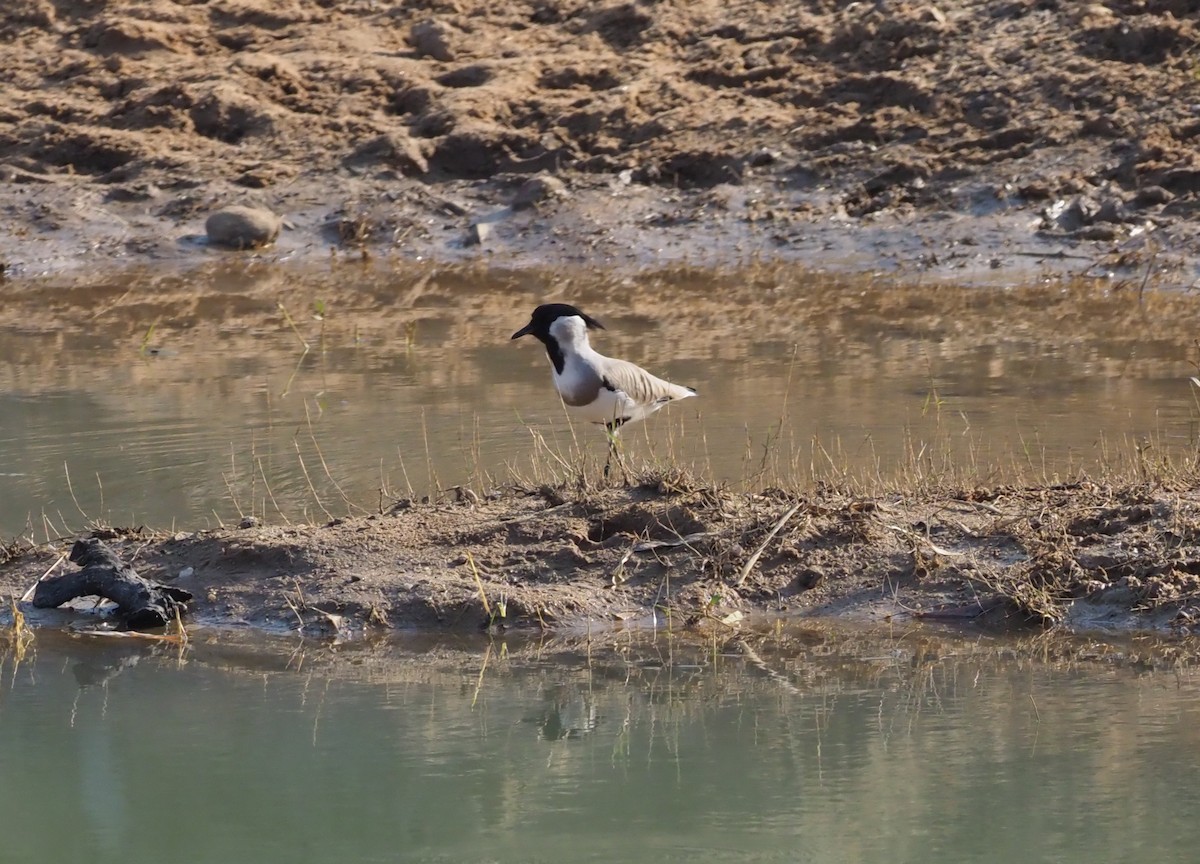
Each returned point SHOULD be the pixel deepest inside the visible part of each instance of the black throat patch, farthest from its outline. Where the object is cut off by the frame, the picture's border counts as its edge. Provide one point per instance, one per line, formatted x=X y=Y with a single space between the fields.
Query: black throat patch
x=556 y=354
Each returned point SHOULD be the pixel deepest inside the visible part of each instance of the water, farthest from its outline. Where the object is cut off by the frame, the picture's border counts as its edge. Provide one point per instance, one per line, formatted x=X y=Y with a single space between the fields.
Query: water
x=828 y=746
x=189 y=400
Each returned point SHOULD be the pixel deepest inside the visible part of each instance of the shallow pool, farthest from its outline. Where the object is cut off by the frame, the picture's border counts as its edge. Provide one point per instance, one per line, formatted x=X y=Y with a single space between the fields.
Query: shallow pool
x=201 y=398
x=807 y=745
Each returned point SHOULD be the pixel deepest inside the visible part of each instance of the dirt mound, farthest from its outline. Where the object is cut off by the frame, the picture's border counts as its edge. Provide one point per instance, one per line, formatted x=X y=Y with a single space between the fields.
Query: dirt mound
x=1078 y=555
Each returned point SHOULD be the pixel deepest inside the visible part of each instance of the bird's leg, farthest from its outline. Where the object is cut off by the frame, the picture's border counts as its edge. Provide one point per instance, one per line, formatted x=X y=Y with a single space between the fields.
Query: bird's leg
x=611 y=431
x=614 y=449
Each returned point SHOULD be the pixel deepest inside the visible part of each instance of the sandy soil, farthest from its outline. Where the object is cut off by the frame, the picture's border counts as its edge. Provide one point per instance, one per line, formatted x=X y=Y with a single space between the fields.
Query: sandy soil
x=666 y=552
x=1000 y=134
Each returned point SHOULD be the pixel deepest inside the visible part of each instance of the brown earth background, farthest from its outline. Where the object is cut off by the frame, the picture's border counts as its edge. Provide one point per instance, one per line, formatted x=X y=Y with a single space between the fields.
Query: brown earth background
x=970 y=135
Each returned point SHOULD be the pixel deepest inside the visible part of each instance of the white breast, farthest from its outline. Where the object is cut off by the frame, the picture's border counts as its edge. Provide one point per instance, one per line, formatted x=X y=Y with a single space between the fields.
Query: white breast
x=581 y=382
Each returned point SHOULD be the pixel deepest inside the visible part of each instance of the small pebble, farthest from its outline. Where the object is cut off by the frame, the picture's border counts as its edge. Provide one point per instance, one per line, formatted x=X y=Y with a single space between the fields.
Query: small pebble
x=242 y=227
x=478 y=233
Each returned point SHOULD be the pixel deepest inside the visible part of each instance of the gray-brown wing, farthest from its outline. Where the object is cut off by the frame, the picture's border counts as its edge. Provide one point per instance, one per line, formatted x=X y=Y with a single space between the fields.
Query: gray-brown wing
x=639 y=385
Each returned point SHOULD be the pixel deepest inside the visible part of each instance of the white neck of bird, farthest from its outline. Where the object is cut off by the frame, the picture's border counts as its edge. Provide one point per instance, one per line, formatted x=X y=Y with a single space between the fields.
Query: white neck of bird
x=571 y=334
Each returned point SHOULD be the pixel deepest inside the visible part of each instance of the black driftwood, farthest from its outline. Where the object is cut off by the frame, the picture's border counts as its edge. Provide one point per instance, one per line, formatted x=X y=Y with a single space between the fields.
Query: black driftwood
x=143 y=604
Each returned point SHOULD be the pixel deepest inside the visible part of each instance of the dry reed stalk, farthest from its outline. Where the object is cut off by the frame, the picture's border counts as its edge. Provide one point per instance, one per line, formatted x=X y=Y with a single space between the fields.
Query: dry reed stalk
x=753 y=559
x=28 y=595
x=308 y=480
x=479 y=584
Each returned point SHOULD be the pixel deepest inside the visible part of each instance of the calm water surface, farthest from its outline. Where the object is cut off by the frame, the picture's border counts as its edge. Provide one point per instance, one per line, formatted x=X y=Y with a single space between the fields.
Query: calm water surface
x=825 y=747
x=192 y=400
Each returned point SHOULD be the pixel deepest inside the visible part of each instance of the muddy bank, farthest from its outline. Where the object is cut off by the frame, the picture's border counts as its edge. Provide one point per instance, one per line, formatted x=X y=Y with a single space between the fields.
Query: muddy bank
x=958 y=138
x=669 y=553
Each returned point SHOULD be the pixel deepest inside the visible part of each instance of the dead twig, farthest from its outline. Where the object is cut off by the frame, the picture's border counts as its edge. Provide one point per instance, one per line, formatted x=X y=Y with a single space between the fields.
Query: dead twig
x=936 y=549
x=28 y=595
x=649 y=545
x=753 y=559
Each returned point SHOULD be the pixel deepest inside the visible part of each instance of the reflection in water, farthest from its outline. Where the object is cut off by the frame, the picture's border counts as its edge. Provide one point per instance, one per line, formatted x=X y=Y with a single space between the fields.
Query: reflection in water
x=566 y=715
x=853 y=748
x=196 y=399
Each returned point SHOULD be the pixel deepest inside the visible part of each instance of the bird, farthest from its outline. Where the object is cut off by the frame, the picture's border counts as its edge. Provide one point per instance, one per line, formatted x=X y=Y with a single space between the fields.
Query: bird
x=595 y=388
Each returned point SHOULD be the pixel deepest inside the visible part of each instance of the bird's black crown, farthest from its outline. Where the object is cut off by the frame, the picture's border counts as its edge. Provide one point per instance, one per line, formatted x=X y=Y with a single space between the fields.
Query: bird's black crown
x=546 y=314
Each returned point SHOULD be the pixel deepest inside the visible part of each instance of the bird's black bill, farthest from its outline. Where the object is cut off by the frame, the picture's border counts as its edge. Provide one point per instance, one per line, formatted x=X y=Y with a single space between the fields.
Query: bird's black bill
x=524 y=331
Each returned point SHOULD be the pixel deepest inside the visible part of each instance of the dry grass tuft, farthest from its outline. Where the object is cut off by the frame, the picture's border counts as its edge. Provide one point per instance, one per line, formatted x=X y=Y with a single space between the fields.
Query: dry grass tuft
x=20 y=635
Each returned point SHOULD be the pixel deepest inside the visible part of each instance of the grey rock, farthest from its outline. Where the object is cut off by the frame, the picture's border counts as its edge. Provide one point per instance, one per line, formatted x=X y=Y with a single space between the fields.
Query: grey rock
x=1112 y=210
x=1072 y=215
x=478 y=233
x=241 y=227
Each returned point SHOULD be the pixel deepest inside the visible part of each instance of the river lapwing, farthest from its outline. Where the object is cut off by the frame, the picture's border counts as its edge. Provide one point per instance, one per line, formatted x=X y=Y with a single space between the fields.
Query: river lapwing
x=596 y=388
